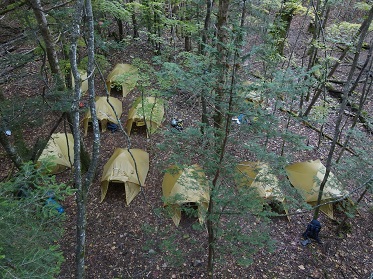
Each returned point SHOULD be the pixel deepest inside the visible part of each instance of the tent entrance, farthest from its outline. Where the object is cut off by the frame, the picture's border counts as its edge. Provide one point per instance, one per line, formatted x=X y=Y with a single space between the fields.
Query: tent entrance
x=189 y=210
x=117 y=188
x=275 y=206
x=100 y=124
x=139 y=128
x=116 y=91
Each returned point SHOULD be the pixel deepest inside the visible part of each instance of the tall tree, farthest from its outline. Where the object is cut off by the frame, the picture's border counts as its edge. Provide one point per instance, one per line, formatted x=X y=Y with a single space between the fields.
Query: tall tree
x=83 y=183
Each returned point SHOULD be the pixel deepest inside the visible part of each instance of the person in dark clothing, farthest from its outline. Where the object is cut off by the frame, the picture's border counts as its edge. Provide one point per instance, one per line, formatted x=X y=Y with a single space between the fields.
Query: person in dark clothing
x=312 y=231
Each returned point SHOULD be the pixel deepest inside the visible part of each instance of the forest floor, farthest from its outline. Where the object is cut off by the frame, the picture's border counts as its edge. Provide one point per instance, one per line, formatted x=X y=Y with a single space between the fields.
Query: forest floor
x=126 y=241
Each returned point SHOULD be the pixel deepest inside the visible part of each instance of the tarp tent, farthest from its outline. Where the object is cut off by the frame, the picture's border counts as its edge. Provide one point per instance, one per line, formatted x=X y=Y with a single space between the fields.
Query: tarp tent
x=60 y=149
x=182 y=186
x=147 y=111
x=260 y=176
x=124 y=77
x=83 y=79
x=121 y=169
x=105 y=112
x=307 y=177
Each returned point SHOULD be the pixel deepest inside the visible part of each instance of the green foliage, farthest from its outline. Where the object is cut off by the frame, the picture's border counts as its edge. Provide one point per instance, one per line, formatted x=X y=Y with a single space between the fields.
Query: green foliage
x=363 y=5
x=29 y=230
x=114 y=8
x=342 y=32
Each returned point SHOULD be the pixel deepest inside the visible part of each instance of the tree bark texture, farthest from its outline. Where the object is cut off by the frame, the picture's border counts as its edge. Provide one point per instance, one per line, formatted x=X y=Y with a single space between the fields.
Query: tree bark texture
x=80 y=201
x=50 y=47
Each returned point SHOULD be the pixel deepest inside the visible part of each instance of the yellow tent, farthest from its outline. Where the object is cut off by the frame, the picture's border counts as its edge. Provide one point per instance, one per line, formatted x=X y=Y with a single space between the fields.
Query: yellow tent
x=252 y=96
x=60 y=148
x=124 y=76
x=151 y=114
x=83 y=79
x=307 y=177
x=181 y=186
x=121 y=168
x=104 y=112
x=259 y=176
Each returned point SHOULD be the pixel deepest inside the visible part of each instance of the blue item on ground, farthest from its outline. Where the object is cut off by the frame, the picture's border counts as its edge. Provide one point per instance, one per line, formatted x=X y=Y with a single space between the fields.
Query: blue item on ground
x=52 y=202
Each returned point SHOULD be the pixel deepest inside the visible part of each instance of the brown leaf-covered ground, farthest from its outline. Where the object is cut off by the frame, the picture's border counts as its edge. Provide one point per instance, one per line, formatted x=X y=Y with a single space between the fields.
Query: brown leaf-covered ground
x=126 y=241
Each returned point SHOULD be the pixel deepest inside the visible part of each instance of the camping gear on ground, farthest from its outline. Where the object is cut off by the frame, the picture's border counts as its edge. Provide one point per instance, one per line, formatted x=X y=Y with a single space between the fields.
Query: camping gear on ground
x=185 y=186
x=8 y=133
x=127 y=167
x=51 y=202
x=239 y=119
x=260 y=176
x=60 y=150
x=307 y=177
x=112 y=127
x=147 y=112
x=123 y=77
x=177 y=123
x=83 y=79
x=312 y=231
x=105 y=112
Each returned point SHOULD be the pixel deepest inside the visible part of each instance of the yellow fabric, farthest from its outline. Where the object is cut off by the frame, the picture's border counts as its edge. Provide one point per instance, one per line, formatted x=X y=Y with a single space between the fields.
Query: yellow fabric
x=83 y=79
x=185 y=186
x=259 y=176
x=126 y=73
x=251 y=96
x=121 y=168
x=59 y=149
x=307 y=177
x=105 y=112
x=153 y=113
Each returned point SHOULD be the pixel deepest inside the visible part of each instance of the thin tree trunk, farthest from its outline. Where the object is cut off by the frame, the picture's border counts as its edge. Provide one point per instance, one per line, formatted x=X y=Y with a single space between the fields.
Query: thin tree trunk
x=365 y=92
x=225 y=131
x=50 y=46
x=362 y=27
x=209 y=5
x=222 y=38
x=346 y=91
x=80 y=201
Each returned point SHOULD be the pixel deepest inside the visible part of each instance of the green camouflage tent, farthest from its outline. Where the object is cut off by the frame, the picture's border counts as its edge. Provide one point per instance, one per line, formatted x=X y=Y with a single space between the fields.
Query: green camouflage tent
x=260 y=176
x=124 y=77
x=182 y=186
x=147 y=111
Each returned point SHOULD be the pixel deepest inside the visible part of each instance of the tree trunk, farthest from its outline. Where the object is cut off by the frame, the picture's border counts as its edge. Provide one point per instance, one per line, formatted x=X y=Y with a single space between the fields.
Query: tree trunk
x=50 y=46
x=80 y=225
x=222 y=38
